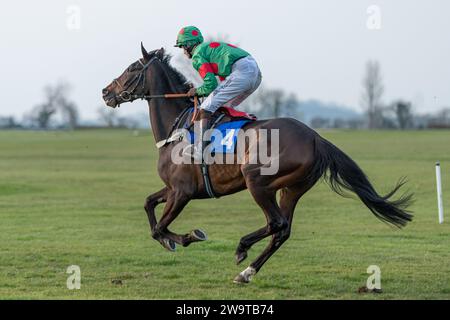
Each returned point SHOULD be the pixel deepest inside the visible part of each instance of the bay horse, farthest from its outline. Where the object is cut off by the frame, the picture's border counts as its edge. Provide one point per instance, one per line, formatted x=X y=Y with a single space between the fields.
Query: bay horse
x=304 y=157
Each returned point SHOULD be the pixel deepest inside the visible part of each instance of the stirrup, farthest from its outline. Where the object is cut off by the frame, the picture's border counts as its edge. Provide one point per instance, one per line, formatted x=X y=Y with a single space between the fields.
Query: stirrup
x=192 y=151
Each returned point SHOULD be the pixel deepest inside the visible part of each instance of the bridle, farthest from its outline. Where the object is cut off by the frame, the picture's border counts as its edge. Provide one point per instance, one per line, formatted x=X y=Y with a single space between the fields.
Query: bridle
x=128 y=94
x=139 y=80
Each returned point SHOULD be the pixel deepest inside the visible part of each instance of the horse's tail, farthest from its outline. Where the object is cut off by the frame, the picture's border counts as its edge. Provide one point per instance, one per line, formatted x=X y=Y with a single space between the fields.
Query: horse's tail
x=341 y=172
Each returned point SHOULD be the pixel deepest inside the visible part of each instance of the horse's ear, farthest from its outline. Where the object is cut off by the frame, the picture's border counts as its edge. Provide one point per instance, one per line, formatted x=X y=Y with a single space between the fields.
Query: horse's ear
x=144 y=52
x=160 y=53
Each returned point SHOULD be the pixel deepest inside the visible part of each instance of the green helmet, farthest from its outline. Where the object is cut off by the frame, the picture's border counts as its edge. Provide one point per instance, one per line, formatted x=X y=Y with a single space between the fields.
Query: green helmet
x=189 y=36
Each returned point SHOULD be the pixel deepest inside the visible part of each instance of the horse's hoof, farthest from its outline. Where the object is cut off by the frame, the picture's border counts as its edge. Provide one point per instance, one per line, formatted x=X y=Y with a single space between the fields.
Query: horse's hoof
x=199 y=235
x=241 y=256
x=240 y=279
x=245 y=276
x=169 y=244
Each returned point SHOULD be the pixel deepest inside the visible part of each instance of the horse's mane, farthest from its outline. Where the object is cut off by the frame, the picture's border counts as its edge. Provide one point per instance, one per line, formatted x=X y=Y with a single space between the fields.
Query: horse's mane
x=174 y=73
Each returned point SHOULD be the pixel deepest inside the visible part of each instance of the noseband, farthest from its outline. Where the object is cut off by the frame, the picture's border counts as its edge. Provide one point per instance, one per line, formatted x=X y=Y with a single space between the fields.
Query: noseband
x=139 y=79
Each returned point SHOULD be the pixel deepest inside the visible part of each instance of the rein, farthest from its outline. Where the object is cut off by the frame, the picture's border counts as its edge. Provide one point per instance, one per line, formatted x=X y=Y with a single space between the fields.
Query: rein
x=128 y=95
x=169 y=137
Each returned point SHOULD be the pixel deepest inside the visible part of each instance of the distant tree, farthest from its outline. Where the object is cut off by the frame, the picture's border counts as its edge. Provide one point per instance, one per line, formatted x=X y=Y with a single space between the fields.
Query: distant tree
x=339 y=123
x=372 y=92
x=268 y=103
x=70 y=114
x=388 y=123
x=56 y=99
x=440 y=120
x=444 y=115
x=355 y=123
x=403 y=112
x=319 y=122
x=127 y=122
x=8 y=123
x=272 y=101
x=107 y=116
x=292 y=107
x=43 y=114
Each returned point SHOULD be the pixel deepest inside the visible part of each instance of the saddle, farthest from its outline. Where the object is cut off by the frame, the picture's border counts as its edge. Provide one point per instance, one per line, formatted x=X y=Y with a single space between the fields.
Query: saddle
x=184 y=121
x=234 y=114
x=222 y=115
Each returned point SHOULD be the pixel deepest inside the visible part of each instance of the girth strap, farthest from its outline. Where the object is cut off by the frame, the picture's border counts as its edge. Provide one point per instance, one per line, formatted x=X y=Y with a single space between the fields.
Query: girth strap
x=204 y=166
x=207 y=180
x=177 y=135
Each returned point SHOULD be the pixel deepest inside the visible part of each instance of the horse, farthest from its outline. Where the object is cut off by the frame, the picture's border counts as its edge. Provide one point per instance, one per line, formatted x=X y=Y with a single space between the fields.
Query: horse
x=304 y=158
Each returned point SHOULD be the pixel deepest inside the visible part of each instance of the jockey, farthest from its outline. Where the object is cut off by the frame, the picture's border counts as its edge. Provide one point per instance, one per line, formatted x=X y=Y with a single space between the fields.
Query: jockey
x=238 y=71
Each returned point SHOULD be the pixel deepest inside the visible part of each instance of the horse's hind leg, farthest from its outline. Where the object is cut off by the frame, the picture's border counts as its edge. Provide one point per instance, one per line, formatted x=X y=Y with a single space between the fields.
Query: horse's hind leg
x=276 y=223
x=288 y=200
x=247 y=242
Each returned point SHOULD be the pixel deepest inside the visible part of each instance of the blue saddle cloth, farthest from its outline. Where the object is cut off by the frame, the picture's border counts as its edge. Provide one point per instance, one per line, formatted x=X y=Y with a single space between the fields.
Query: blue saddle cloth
x=224 y=136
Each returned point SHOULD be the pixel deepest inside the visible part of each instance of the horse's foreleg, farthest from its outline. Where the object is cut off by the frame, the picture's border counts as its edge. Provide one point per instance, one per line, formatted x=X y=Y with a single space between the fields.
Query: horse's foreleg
x=150 y=204
x=176 y=201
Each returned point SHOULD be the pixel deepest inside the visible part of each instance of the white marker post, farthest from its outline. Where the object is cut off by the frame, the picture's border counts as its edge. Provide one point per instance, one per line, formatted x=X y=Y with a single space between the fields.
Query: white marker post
x=439 y=192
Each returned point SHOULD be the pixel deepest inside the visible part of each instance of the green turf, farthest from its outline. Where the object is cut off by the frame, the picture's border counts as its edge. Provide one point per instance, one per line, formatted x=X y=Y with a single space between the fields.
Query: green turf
x=76 y=198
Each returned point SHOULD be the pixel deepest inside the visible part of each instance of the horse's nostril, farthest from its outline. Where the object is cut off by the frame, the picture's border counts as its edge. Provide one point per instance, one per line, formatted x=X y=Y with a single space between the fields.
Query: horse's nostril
x=105 y=91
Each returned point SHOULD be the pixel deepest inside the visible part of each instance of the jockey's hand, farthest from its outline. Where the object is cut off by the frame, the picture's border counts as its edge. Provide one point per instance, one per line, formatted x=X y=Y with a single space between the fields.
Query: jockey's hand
x=191 y=92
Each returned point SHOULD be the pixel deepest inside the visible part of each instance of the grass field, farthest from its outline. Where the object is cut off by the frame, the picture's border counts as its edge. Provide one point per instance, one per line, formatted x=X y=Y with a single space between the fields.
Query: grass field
x=76 y=198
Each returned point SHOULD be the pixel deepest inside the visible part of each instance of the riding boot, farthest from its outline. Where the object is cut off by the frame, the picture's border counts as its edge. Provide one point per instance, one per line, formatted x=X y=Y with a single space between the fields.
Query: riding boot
x=199 y=145
x=201 y=142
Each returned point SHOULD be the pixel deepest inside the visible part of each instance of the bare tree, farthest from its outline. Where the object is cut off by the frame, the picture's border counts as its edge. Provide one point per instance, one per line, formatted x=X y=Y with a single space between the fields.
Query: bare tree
x=42 y=115
x=70 y=114
x=272 y=103
x=372 y=92
x=56 y=99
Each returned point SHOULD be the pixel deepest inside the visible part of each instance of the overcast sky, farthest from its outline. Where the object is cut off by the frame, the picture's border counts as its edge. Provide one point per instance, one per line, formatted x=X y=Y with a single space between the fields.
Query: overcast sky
x=316 y=49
